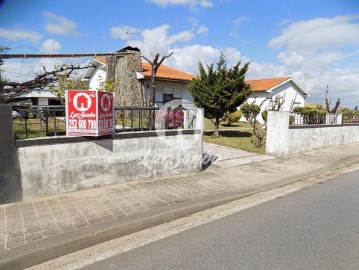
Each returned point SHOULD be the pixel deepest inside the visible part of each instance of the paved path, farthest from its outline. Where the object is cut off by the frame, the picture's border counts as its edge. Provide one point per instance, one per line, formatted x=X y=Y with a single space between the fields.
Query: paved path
x=40 y=229
x=228 y=157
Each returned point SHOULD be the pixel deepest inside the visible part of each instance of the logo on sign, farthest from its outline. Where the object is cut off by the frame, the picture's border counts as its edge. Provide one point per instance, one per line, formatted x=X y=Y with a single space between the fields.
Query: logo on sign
x=105 y=102
x=82 y=102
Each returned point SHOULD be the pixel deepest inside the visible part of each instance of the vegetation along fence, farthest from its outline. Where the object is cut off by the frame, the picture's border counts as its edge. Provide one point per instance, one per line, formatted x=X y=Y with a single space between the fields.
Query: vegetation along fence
x=322 y=119
x=40 y=121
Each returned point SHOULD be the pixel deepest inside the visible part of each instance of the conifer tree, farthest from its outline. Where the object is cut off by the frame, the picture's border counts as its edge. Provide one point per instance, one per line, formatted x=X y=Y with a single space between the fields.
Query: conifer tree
x=220 y=90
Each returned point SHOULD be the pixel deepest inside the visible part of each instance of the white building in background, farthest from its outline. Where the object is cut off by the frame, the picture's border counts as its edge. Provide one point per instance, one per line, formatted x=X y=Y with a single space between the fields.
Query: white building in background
x=38 y=97
x=265 y=92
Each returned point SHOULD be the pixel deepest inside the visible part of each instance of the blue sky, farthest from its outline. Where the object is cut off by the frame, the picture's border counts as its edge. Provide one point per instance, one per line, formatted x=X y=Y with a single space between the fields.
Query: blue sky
x=316 y=41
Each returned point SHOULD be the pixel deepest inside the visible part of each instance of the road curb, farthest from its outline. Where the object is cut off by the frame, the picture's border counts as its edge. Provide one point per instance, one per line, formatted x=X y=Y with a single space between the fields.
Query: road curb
x=52 y=247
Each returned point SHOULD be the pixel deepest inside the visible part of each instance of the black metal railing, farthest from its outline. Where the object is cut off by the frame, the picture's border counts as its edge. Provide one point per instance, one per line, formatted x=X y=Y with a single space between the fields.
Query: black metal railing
x=39 y=121
x=322 y=119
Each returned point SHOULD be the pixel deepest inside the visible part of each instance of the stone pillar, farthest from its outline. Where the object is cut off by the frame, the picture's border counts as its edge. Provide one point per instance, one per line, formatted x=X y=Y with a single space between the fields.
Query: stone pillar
x=277 y=143
x=122 y=69
x=10 y=185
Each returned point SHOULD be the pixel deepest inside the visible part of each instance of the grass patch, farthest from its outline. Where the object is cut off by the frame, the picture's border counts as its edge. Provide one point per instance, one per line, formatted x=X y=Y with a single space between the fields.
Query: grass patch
x=208 y=125
x=238 y=135
x=36 y=127
x=243 y=140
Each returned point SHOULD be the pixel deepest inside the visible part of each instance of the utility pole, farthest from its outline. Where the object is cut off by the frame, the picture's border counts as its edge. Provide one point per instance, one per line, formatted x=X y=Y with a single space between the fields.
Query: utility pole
x=326 y=91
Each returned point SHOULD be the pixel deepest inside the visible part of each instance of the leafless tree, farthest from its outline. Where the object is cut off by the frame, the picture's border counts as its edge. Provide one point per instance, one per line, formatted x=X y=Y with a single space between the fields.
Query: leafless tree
x=10 y=90
x=335 y=108
x=155 y=64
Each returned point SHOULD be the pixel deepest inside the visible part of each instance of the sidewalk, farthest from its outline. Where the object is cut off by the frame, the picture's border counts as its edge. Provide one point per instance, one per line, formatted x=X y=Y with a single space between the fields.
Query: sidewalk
x=38 y=230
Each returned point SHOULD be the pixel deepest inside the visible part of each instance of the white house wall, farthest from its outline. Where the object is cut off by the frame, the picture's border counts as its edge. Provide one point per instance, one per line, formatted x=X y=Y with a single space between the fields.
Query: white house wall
x=293 y=98
x=97 y=78
x=178 y=90
x=258 y=98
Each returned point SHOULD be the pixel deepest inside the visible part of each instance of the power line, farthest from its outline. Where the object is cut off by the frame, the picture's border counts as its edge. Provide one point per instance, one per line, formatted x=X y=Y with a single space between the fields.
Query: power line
x=329 y=74
x=59 y=55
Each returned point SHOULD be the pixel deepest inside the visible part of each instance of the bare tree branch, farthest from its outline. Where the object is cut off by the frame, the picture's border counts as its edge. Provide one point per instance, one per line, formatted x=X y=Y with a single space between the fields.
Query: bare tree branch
x=154 y=68
x=327 y=104
x=11 y=89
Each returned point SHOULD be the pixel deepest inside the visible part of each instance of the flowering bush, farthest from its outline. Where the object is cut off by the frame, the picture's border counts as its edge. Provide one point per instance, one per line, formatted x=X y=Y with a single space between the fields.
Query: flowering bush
x=170 y=118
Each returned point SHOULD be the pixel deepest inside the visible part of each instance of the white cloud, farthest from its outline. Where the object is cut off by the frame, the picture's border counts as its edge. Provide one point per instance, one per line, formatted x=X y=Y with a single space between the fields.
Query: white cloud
x=266 y=70
x=182 y=36
x=239 y=21
x=159 y=40
x=123 y=32
x=237 y=24
x=190 y=3
x=317 y=44
x=295 y=63
x=185 y=58
x=202 y=30
x=319 y=33
x=59 y=25
x=313 y=48
x=50 y=46
x=13 y=35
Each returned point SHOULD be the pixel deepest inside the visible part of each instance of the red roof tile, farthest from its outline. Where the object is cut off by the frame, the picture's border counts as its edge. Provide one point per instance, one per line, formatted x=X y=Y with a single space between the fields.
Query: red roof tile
x=265 y=84
x=163 y=71
x=101 y=59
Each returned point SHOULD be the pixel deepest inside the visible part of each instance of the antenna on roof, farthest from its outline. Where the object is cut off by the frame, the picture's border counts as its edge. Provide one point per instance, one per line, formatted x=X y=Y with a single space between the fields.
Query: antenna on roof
x=128 y=33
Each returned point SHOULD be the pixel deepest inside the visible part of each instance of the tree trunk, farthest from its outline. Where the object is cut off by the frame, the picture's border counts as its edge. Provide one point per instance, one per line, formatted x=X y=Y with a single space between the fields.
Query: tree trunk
x=216 y=128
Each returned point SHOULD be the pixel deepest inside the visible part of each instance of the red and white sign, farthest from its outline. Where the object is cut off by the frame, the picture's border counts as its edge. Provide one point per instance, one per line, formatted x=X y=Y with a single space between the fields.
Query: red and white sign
x=89 y=113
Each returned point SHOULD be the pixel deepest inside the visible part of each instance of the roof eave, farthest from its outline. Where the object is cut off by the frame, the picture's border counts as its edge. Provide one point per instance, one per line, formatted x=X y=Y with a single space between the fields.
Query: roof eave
x=90 y=71
x=301 y=89
x=166 y=79
x=305 y=93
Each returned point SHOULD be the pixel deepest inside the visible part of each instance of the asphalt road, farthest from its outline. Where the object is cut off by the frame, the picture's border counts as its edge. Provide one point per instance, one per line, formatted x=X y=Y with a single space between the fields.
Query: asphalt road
x=315 y=228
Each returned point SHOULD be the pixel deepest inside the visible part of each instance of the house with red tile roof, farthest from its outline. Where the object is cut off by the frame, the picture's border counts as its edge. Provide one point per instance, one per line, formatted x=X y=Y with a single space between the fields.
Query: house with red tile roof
x=171 y=83
x=270 y=89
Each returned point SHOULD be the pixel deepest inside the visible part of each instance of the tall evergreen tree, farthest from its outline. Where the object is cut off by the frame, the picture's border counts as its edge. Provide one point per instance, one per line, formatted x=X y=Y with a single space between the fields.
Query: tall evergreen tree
x=220 y=90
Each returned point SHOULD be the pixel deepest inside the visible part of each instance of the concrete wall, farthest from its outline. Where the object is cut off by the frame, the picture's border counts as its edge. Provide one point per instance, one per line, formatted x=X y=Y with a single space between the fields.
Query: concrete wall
x=283 y=140
x=57 y=165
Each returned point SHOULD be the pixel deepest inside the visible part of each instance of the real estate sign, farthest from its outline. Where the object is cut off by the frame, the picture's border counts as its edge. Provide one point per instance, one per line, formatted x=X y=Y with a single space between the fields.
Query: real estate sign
x=89 y=113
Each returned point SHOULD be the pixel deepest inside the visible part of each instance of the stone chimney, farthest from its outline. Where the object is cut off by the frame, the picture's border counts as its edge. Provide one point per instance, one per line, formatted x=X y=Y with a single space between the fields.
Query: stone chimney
x=122 y=70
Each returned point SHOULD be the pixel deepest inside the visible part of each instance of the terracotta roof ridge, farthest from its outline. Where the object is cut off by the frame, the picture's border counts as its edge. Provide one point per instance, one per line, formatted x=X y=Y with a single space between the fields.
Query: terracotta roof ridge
x=272 y=78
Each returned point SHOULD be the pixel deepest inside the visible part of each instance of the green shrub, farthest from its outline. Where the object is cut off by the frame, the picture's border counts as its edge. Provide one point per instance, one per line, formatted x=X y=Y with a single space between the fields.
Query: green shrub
x=250 y=111
x=309 y=110
x=265 y=115
x=234 y=117
x=311 y=115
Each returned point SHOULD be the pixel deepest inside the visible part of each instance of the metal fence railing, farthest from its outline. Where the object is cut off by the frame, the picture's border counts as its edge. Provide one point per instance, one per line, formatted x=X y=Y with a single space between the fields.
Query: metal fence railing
x=322 y=119
x=39 y=121
x=351 y=118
